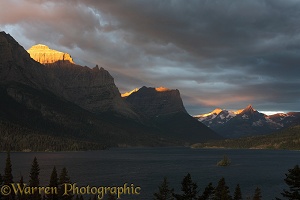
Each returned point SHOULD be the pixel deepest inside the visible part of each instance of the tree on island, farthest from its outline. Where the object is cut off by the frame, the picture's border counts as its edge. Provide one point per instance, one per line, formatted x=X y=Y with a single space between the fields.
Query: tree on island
x=34 y=180
x=224 y=162
x=189 y=189
x=237 y=193
x=165 y=193
x=293 y=181
x=222 y=191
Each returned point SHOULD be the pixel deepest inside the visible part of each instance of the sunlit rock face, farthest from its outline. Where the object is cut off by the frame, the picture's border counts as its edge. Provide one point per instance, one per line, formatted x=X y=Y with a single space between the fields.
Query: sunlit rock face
x=43 y=54
x=126 y=94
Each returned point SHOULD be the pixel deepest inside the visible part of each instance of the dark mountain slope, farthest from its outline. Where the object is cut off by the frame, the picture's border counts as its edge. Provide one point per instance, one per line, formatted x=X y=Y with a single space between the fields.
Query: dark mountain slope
x=44 y=113
x=164 y=108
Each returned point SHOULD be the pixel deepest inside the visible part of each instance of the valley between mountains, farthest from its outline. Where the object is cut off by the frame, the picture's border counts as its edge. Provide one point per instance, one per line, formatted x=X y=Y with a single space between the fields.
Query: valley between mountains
x=50 y=103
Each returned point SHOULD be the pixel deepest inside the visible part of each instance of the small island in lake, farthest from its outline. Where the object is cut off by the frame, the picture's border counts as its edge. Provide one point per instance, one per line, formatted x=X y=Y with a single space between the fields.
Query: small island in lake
x=224 y=162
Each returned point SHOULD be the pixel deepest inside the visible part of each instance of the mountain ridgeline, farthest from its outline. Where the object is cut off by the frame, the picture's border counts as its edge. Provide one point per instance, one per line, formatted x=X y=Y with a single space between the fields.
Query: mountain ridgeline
x=246 y=122
x=62 y=101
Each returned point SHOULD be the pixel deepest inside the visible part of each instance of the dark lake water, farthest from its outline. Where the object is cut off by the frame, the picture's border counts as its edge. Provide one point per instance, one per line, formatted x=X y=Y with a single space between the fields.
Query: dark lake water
x=146 y=167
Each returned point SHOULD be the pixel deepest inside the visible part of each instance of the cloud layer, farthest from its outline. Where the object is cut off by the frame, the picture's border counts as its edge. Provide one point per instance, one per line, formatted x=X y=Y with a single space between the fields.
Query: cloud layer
x=218 y=53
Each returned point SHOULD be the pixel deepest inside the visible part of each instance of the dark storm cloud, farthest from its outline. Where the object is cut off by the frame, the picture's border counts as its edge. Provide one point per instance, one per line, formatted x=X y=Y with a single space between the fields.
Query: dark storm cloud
x=217 y=52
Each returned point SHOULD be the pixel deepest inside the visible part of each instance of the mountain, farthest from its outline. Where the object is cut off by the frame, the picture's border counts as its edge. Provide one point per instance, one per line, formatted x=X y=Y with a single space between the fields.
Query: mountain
x=64 y=106
x=245 y=122
x=154 y=102
x=285 y=119
x=164 y=108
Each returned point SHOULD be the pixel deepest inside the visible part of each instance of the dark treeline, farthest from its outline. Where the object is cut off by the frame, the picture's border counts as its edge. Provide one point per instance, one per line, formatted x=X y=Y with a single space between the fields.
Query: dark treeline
x=25 y=139
x=189 y=188
x=190 y=191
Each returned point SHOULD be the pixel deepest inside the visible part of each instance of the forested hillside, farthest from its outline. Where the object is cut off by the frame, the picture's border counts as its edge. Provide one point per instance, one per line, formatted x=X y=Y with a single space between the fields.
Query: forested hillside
x=285 y=139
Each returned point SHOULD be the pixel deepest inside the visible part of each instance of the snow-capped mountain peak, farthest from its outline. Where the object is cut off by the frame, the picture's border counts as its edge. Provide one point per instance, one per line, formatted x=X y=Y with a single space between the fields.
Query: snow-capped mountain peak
x=245 y=122
x=248 y=110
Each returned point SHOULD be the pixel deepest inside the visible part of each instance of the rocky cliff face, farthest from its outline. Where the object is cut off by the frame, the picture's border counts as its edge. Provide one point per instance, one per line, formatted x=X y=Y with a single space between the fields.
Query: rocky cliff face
x=43 y=54
x=92 y=89
x=156 y=101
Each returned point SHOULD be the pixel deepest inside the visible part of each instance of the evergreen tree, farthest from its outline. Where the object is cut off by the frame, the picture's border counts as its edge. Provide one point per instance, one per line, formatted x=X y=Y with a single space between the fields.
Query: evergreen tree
x=63 y=179
x=34 y=180
x=53 y=183
x=293 y=181
x=8 y=177
x=20 y=196
x=222 y=191
x=237 y=193
x=165 y=193
x=257 y=194
x=189 y=189
x=208 y=192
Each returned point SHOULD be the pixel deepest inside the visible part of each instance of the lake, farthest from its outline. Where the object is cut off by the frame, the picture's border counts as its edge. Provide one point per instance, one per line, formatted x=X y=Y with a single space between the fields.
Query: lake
x=146 y=167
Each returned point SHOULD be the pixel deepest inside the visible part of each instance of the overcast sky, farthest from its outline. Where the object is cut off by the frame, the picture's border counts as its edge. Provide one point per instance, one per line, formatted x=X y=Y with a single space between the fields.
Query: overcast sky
x=218 y=53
